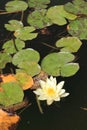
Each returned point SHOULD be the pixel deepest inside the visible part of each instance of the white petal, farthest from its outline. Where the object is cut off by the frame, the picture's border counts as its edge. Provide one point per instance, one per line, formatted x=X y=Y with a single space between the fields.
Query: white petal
x=38 y=91
x=65 y=94
x=42 y=84
x=60 y=85
x=41 y=97
x=62 y=91
x=57 y=99
x=49 y=102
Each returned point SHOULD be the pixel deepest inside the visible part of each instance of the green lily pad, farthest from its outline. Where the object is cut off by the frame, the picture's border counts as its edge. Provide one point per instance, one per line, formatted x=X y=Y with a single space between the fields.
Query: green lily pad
x=31 y=68
x=69 y=69
x=38 y=19
x=53 y=62
x=4 y=59
x=78 y=28
x=29 y=55
x=78 y=7
x=38 y=4
x=25 y=33
x=12 y=47
x=70 y=44
x=12 y=93
x=13 y=25
x=58 y=15
x=13 y=6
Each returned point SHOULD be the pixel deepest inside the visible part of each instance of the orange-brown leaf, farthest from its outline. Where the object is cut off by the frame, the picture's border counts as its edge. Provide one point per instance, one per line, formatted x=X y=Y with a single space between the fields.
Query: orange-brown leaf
x=8 y=78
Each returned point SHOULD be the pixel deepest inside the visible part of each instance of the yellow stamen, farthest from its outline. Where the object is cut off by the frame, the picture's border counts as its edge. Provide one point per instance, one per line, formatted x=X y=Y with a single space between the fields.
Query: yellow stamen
x=50 y=91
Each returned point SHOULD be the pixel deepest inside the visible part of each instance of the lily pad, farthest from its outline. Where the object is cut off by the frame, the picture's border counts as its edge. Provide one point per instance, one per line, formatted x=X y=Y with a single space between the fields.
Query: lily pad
x=31 y=68
x=13 y=25
x=29 y=55
x=69 y=69
x=53 y=62
x=38 y=19
x=69 y=44
x=58 y=15
x=12 y=93
x=78 y=7
x=38 y=4
x=4 y=59
x=25 y=33
x=78 y=28
x=13 y=6
x=25 y=80
x=12 y=47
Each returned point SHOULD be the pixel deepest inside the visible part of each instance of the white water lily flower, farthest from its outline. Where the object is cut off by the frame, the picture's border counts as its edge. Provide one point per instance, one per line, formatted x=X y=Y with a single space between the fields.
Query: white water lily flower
x=50 y=90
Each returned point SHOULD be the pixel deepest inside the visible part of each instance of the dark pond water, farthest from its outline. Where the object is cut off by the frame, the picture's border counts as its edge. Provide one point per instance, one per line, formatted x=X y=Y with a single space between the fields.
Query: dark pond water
x=67 y=115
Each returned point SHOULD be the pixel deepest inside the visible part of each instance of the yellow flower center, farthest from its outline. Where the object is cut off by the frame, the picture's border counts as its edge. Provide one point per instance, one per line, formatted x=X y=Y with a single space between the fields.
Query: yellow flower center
x=50 y=91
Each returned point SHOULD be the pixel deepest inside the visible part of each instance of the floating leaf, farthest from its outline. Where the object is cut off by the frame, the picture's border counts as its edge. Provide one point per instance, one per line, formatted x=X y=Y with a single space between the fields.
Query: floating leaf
x=25 y=80
x=58 y=15
x=7 y=78
x=8 y=120
x=77 y=7
x=25 y=33
x=53 y=62
x=69 y=69
x=4 y=59
x=13 y=46
x=29 y=55
x=13 y=6
x=13 y=25
x=38 y=4
x=78 y=28
x=38 y=19
x=12 y=94
x=31 y=68
x=69 y=44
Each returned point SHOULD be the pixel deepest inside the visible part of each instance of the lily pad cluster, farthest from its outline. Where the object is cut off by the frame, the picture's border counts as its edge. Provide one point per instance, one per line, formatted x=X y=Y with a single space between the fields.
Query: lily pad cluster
x=21 y=32
x=78 y=26
x=26 y=61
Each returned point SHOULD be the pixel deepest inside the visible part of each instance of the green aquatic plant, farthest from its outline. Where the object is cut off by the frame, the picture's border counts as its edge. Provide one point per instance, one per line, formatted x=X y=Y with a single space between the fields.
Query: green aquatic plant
x=34 y=18
x=10 y=94
x=78 y=26
x=56 y=63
